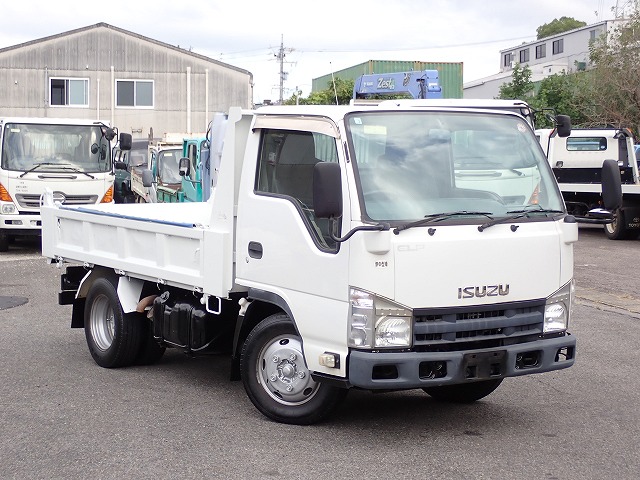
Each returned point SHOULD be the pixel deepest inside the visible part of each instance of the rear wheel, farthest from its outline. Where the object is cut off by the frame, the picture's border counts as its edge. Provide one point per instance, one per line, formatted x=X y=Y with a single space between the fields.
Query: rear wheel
x=464 y=393
x=114 y=339
x=276 y=378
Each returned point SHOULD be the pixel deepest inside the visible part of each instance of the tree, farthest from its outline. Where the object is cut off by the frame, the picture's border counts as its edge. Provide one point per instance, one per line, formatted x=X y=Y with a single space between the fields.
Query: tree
x=615 y=76
x=558 y=25
x=565 y=94
x=343 y=88
x=520 y=85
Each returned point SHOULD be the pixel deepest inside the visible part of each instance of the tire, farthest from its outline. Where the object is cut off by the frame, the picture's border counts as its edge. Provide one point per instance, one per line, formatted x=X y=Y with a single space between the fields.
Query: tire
x=464 y=393
x=150 y=350
x=113 y=338
x=617 y=230
x=276 y=378
x=4 y=242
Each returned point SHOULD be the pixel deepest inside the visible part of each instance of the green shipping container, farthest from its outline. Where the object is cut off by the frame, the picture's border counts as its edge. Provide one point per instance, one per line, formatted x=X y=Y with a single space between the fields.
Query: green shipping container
x=450 y=74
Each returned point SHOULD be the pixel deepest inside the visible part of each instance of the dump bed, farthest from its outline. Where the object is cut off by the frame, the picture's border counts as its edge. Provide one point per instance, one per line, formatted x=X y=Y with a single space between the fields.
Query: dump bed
x=169 y=244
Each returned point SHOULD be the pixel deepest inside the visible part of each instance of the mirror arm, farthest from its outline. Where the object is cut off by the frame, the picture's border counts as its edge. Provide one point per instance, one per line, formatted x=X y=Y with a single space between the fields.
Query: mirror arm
x=380 y=227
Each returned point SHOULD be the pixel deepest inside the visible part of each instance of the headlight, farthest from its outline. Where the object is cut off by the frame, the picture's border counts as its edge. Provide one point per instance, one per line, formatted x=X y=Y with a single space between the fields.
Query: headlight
x=375 y=322
x=557 y=310
x=8 y=209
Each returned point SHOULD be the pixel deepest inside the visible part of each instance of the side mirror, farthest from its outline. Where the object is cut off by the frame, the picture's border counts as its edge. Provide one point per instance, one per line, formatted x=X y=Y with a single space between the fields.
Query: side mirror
x=147 y=178
x=125 y=141
x=110 y=134
x=327 y=190
x=563 y=125
x=611 y=196
x=611 y=185
x=184 y=167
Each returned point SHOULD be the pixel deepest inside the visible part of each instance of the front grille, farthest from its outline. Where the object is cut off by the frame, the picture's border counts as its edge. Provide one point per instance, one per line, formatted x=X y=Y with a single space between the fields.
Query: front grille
x=472 y=328
x=33 y=201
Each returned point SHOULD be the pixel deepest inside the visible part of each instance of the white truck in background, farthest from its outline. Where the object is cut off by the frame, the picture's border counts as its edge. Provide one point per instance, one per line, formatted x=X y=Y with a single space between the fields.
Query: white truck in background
x=577 y=161
x=340 y=248
x=72 y=158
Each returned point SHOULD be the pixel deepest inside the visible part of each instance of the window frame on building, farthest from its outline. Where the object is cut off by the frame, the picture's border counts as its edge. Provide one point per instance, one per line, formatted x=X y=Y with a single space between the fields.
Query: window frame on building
x=524 y=55
x=507 y=59
x=67 y=90
x=541 y=50
x=558 y=46
x=134 y=94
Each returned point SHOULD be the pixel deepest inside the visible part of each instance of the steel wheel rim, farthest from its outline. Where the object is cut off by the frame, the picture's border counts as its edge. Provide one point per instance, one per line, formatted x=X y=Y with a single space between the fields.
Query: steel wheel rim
x=281 y=371
x=611 y=227
x=102 y=322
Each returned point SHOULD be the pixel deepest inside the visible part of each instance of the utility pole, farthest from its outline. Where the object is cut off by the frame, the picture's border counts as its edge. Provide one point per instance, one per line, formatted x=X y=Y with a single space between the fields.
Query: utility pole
x=282 y=53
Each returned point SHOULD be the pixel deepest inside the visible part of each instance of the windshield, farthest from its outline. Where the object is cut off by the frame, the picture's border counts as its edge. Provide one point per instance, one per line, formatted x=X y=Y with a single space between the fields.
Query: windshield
x=419 y=164
x=168 y=166
x=55 y=148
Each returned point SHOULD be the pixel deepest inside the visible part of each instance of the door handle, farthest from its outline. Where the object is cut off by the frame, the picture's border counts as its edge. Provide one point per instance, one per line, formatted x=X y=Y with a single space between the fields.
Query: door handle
x=255 y=250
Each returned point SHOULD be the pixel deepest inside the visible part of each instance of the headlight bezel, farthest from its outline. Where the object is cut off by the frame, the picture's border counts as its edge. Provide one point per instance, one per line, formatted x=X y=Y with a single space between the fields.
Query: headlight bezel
x=378 y=323
x=558 y=309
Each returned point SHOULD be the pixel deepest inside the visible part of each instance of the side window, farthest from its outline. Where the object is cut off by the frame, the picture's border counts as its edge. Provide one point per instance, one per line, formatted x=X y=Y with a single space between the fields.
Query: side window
x=192 y=154
x=286 y=165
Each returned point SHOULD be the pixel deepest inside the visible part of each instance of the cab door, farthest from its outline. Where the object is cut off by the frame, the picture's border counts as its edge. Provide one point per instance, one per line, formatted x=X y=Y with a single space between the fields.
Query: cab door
x=284 y=252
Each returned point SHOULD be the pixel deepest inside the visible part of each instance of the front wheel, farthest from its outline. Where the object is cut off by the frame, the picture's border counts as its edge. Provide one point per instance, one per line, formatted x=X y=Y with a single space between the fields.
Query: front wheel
x=463 y=393
x=276 y=378
x=4 y=242
x=617 y=230
x=114 y=339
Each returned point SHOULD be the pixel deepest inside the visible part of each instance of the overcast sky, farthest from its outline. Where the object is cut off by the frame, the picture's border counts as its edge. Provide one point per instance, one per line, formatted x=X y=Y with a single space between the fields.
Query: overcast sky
x=318 y=36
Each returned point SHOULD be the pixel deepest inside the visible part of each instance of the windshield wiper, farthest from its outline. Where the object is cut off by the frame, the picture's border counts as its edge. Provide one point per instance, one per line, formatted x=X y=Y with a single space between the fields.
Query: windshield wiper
x=35 y=167
x=437 y=217
x=526 y=212
x=59 y=165
x=75 y=170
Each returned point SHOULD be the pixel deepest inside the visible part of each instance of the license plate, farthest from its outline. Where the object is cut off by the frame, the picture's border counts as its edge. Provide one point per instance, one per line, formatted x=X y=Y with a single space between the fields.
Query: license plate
x=483 y=365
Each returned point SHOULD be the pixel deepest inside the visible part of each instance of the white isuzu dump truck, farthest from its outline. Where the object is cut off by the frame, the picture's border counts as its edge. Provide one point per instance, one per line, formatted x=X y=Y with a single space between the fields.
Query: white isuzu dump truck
x=390 y=247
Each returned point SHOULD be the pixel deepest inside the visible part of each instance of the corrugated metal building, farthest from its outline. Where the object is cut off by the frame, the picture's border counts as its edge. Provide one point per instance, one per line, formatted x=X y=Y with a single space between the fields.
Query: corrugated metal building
x=107 y=73
x=450 y=73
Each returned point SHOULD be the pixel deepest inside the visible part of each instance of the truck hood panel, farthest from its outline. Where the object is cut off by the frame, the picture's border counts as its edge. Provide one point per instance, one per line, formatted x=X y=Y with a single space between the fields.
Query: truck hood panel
x=460 y=266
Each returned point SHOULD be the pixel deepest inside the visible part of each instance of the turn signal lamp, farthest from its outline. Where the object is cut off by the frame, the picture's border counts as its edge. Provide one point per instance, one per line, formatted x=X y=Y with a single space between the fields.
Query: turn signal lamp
x=329 y=360
x=108 y=197
x=4 y=194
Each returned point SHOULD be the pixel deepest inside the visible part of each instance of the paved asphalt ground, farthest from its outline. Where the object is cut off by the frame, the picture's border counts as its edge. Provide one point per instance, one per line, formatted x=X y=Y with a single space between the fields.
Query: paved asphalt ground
x=63 y=417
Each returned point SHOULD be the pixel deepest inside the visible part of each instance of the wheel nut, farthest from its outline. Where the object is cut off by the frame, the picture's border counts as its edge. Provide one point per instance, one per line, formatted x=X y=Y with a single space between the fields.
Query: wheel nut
x=289 y=388
x=276 y=359
x=301 y=374
x=273 y=377
x=292 y=357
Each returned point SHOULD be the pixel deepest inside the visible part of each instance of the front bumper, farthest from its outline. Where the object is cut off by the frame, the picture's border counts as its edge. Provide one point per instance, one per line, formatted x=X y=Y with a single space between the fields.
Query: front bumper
x=21 y=224
x=407 y=370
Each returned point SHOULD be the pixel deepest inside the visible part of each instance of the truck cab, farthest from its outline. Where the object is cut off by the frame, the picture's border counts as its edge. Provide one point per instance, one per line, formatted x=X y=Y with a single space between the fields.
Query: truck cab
x=577 y=162
x=73 y=158
x=125 y=161
x=196 y=171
